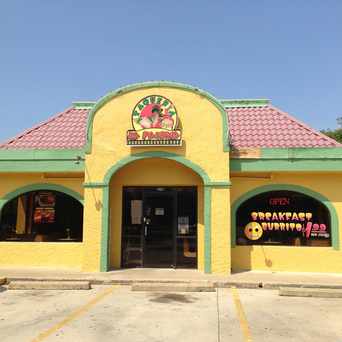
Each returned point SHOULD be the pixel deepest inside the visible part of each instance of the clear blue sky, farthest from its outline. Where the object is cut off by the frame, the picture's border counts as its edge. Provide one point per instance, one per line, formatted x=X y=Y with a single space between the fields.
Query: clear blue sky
x=56 y=52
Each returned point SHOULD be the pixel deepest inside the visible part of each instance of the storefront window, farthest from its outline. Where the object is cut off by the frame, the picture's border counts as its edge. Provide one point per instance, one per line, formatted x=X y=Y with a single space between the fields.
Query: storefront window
x=286 y=218
x=42 y=216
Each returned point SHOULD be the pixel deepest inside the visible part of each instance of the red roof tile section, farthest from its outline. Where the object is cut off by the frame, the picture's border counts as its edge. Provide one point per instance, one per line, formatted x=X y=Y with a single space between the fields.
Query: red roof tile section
x=66 y=130
x=259 y=126
x=267 y=126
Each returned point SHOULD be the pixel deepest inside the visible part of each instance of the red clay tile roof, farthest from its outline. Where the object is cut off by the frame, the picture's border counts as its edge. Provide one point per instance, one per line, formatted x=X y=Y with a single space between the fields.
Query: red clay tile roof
x=66 y=130
x=259 y=126
x=268 y=126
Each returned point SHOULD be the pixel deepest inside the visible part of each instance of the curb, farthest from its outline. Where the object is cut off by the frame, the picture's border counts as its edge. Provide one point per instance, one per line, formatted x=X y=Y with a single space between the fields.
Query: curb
x=49 y=285
x=162 y=287
x=216 y=283
x=310 y=292
x=276 y=286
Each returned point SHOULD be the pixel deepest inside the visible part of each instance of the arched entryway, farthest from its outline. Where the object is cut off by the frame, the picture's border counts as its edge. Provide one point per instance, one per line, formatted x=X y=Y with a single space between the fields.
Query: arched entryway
x=41 y=213
x=156 y=215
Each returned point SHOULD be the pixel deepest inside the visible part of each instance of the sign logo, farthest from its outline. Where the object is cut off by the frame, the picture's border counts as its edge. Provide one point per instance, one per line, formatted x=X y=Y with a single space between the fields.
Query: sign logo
x=155 y=122
x=253 y=231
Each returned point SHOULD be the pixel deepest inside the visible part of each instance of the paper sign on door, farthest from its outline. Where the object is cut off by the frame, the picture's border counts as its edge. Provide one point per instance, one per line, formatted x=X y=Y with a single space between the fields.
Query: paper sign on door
x=136 y=211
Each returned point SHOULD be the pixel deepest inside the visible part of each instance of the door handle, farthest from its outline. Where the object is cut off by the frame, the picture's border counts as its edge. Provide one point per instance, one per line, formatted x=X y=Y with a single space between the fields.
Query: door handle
x=145 y=230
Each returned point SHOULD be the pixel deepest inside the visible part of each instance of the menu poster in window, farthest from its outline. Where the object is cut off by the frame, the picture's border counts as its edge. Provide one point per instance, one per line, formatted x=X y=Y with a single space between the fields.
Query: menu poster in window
x=183 y=225
x=44 y=211
x=44 y=215
x=45 y=200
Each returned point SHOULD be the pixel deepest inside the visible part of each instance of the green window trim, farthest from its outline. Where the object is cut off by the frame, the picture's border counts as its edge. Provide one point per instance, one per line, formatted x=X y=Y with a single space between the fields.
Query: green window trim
x=289 y=187
x=162 y=84
x=156 y=154
x=36 y=187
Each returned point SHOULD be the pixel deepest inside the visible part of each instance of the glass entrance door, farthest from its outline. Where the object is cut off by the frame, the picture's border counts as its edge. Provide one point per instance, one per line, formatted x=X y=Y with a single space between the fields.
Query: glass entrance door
x=159 y=227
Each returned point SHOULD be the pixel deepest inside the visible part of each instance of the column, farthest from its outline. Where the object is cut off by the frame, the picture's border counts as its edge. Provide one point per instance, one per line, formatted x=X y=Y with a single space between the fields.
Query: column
x=95 y=227
x=217 y=229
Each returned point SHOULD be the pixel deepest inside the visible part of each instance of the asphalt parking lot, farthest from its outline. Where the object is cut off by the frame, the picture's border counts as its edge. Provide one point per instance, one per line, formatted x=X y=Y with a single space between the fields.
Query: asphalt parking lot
x=115 y=313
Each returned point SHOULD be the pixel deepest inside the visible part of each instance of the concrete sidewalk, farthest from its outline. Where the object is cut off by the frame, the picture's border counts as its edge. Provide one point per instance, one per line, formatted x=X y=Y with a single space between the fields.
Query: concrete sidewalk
x=248 y=279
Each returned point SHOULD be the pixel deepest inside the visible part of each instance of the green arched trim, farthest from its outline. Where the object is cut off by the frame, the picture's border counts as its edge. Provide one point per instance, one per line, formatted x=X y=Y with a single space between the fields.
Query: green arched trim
x=208 y=184
x=290 y=187
x=144 y=85
x=156 y=154
x=39 y=186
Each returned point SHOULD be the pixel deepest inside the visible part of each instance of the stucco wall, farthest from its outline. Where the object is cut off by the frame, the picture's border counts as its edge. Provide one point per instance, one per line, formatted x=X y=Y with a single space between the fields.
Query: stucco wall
x=288 y=258
x=200 y=121
x=45 y=254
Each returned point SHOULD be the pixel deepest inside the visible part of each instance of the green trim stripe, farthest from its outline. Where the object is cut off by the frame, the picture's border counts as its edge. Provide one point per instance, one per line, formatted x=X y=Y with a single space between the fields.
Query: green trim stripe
x=104 y=257
x=290 y=187
x=302 y=153
x=161 y=84
x=41 y=166
x=269 y=165
x=236 y=103
x=42 y=160
x=48 y=154
x=221 y=184
x=291 y=159
x=83 y=104
x=95 y=185
x=207 y=230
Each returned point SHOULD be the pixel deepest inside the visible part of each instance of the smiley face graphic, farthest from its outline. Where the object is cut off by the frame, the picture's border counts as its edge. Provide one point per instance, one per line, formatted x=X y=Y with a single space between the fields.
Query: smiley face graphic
x=253 y=231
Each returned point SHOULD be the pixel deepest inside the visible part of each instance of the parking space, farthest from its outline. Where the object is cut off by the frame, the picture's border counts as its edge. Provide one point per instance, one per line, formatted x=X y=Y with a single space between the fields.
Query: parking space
x=107 y=313
x=274 y=318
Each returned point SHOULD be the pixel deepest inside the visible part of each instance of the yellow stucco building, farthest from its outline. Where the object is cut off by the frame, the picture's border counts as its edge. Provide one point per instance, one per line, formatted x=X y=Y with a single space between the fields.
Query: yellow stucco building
x=161 y=174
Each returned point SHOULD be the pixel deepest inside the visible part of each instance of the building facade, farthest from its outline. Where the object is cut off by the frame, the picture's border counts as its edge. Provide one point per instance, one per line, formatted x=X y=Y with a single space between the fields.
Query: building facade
x=161 y=174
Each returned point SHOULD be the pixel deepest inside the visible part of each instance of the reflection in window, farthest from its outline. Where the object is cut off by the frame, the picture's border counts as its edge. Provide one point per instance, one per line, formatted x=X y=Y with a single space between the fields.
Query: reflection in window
x=283 y=218
x=42 y=216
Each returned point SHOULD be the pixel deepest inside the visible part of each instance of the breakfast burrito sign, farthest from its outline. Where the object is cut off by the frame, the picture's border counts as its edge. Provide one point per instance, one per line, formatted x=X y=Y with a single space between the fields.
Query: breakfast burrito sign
x=287 y=218
x=285 y=222
x=155 y=123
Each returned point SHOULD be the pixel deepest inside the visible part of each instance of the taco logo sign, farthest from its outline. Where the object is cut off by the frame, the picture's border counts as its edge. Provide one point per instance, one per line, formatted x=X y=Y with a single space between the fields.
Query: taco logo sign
x=155 y=122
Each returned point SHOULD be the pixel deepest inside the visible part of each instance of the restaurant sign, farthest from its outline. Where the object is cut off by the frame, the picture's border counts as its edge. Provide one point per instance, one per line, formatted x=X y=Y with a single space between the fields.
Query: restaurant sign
x=155 y=123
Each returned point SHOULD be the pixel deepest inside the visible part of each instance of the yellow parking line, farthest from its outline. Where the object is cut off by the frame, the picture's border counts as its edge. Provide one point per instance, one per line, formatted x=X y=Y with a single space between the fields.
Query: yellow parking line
x=242 y=316
x=74 y=315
